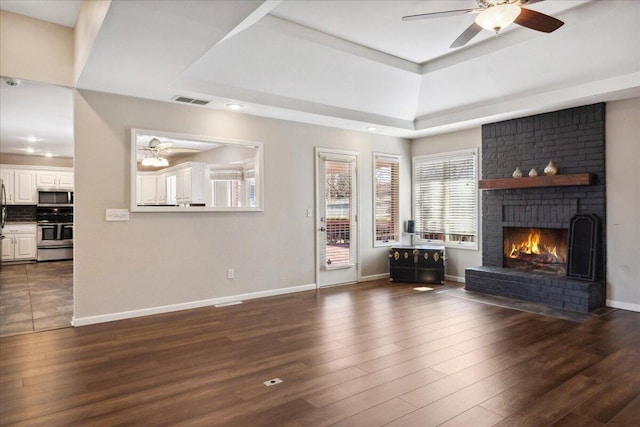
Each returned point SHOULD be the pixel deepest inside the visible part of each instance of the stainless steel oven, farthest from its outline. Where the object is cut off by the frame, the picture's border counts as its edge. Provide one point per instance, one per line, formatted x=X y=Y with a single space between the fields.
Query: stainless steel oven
x=55 y=233
x=55 y=241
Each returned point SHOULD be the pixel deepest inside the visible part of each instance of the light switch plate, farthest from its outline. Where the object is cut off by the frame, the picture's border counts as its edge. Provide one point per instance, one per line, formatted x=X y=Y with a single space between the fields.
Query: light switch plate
x=117 y=215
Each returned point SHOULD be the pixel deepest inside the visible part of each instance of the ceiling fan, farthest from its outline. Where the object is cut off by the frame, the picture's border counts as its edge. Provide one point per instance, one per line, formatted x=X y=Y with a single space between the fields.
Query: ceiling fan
x=495 y=15
x=157 y=148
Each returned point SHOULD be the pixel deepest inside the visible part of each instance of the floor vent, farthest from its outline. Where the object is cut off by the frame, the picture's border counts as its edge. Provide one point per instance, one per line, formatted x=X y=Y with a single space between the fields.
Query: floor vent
x=188 y=100
x=271 y=382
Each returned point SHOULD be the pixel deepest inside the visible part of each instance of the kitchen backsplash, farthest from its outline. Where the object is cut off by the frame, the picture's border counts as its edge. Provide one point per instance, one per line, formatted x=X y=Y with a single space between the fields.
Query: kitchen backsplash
x=19 y=213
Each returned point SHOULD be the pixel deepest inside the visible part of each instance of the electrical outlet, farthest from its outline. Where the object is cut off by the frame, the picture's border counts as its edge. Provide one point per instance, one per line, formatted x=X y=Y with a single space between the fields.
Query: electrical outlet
x=230 y=273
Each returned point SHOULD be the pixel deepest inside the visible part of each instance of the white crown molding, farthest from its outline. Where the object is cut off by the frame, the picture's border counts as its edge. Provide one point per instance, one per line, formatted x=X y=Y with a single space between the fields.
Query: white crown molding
x=324 y=39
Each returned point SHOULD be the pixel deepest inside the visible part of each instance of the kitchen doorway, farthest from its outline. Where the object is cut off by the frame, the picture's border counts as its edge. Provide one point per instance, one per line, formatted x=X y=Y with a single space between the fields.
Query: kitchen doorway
x=36 y=157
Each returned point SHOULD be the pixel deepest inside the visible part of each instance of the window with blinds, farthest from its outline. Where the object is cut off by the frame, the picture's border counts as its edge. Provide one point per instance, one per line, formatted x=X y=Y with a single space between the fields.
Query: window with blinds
x=386 y=181
x=233 y=186
x=446 y=198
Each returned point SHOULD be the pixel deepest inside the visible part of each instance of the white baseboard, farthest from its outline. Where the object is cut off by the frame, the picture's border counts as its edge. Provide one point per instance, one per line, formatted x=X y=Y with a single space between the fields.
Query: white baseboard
x=454 y=278
x=623 y=305
x=374 y=277
x=90 y=320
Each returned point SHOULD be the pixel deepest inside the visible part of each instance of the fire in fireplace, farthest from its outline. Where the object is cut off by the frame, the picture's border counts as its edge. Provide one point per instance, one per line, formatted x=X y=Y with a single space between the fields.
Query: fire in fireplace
x=542 y=250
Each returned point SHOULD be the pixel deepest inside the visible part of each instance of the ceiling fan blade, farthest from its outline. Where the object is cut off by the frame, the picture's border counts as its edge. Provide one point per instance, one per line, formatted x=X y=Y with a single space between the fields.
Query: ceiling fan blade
x=174 y=150
x=466 y=36
x=538 y=21
x=439 y=14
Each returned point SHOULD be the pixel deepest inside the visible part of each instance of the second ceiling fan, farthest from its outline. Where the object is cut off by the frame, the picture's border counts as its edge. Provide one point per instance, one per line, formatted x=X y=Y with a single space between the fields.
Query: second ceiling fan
x=495 y=15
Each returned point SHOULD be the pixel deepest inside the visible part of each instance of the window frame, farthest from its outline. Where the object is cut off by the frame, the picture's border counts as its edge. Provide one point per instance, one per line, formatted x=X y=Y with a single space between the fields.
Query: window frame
x=394 y=158
x=448 y=156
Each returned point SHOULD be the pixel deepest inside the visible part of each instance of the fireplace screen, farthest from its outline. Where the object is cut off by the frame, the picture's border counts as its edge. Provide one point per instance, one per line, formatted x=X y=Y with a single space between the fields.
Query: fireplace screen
x=541 y=250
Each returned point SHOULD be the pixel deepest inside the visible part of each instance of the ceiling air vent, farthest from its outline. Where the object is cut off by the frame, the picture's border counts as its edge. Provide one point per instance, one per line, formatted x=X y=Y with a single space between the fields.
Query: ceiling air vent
x=188 y=100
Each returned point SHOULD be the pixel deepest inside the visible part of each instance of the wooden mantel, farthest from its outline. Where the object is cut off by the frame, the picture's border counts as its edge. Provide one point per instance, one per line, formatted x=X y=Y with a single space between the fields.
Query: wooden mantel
x=537 y=181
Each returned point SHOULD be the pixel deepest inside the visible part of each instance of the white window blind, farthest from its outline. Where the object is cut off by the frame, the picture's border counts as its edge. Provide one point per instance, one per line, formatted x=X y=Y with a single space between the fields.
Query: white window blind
x=386 y=199
x=337 y=178
x=445 y=198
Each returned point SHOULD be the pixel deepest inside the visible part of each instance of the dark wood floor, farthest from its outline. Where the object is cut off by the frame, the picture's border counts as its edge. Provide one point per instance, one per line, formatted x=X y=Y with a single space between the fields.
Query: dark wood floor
x=363 y=355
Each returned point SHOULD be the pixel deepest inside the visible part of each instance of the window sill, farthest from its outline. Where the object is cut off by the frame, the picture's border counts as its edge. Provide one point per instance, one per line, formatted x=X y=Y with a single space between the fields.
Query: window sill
x=386 y=244
x=448 y=245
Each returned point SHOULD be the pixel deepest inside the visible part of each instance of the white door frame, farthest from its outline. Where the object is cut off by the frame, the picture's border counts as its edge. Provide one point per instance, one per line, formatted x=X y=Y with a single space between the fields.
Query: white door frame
x=355 y=232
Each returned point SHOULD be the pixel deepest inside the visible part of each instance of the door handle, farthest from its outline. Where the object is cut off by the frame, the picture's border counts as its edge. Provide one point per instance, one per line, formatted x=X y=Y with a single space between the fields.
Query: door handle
x=323 y=229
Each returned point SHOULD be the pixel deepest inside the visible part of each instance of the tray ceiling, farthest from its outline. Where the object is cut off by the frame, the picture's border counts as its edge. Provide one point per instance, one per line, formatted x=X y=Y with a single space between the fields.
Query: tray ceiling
x=355 y=64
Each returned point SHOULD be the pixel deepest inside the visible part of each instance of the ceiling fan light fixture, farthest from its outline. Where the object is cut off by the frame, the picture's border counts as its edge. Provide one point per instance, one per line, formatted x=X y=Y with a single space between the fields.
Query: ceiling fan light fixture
x=157 y=162
x=148 y=161
x=498 y=17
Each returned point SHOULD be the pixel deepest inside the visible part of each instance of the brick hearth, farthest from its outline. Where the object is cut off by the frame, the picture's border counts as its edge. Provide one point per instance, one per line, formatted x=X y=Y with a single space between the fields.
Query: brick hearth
x=573 y=139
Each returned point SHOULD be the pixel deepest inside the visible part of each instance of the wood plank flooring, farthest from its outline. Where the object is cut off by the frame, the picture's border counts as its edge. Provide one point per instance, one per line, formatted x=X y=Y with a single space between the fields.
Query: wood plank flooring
x=370 y=354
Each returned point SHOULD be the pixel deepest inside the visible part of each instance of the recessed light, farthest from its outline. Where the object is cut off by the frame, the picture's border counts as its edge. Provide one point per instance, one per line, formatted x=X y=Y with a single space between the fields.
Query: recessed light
x=12 y=82
x=371 y=128
x=48 y=155
x=30 y=150
x=234 y=106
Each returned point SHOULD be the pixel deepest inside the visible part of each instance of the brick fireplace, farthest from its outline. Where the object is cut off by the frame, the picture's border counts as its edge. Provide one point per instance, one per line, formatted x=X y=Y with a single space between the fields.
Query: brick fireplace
x=525 y=229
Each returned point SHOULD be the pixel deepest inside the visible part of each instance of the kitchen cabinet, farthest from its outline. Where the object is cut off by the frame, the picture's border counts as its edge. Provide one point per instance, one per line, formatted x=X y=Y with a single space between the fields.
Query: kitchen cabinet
x=54 y=179
x=151 y=188
x=20 y=185
x=19 y=243
x=21 y=182
x=183 y=184
x=147 y=189
x=190 y=184
x=161 y=189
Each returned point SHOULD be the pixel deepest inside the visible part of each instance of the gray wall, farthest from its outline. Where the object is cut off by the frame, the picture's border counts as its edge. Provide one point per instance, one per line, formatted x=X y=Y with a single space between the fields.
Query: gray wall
x=623 y=204
x=164 y=259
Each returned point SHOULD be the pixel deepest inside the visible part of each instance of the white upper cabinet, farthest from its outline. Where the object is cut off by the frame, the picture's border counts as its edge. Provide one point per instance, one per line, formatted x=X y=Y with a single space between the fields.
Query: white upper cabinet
x=55 y=179
x=20 y=186
x=21 y=182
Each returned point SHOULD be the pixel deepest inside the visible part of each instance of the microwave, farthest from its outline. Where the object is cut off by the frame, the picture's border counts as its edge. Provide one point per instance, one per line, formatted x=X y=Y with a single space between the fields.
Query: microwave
x=53 y=197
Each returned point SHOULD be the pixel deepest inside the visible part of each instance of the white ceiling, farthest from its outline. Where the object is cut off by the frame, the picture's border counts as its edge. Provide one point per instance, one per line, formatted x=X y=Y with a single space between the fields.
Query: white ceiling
x=36 y=119
x=354 y=64
x=61 y=12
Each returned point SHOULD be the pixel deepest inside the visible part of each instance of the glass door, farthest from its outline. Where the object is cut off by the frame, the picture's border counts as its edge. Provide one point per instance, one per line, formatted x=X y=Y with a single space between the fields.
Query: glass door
x=336 y=218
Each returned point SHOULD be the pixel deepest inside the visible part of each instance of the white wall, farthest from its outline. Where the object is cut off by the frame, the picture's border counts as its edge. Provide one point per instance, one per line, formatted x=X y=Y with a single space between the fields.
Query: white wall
x=164 y=259
x=457 y=259
x=623 y=203
x=90 y=18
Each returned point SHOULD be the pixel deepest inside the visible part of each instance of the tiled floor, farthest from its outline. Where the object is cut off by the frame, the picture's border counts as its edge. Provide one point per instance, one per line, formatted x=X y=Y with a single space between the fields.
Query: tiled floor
x=35 y=297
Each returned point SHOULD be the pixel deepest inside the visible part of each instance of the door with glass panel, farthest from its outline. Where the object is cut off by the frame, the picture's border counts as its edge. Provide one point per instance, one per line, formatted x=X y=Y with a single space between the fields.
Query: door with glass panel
x=336 y=179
